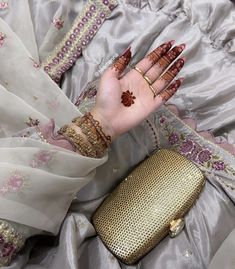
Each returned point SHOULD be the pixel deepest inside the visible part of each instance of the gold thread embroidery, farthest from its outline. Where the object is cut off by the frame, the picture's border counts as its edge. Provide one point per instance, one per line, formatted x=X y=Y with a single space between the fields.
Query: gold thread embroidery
x=38 y=132
x=10 y=242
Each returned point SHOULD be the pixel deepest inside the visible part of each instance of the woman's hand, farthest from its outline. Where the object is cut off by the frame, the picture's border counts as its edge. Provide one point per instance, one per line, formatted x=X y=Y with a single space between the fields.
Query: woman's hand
x=122 y=103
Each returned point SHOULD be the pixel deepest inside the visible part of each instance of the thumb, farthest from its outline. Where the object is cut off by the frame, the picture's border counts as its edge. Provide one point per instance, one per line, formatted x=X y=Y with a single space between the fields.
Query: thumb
x=120 y=64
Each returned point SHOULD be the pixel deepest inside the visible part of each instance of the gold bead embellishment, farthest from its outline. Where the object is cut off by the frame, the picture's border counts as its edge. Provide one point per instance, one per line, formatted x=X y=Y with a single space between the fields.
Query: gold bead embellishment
x=41 y=135
x=92 y=141
x=11 y=242
x=79 y=142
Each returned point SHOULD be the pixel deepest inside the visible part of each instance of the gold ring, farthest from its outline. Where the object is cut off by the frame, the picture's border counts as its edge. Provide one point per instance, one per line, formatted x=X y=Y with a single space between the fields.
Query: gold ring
x=138 y=70
x=148 y=80
x=153 y=91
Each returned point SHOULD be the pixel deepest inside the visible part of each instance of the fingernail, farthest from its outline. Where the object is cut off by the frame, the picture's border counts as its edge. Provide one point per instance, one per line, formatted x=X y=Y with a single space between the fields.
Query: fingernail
x=181 y=79
x=182 y=46
x=172 y=42
x=127 y=53
x=184 y=58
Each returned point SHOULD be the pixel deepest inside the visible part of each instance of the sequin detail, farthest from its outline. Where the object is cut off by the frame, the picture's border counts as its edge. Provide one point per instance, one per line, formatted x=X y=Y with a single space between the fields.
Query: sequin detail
x=35 y=64
x=187 y=253
x=32 y=122
x=58 y=23
x=14 y=184
x=42 y=158
x=10 y=243
x=192 y=150
x=84 y=28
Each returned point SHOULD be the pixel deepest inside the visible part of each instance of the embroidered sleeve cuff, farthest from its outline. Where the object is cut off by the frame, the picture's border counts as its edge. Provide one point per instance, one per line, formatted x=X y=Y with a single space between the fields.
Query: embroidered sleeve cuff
x=11 y=242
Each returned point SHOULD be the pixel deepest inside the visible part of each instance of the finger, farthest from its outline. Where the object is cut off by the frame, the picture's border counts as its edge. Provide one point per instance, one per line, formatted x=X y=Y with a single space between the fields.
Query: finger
x=169 y=75
x=120 y=64
x=167 y=93
x=154 y=56
x=157 y=69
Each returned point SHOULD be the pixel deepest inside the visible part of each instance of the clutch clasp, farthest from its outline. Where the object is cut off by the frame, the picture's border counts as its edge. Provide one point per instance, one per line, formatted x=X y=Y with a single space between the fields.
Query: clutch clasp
x=176 y=227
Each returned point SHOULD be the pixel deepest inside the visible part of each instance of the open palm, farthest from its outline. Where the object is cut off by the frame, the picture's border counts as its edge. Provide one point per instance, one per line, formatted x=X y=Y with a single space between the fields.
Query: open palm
x=123 y=103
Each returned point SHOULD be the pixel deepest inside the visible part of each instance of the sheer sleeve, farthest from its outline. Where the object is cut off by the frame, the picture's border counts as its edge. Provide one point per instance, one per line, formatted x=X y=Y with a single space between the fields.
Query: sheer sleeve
x=39 y=173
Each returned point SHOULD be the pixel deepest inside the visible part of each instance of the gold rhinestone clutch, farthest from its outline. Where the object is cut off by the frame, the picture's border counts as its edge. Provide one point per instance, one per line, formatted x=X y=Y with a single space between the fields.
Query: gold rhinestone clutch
x=150 y=203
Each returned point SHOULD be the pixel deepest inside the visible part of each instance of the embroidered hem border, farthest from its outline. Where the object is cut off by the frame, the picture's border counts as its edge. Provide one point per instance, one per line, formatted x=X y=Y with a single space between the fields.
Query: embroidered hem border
x=84 y=28
x=203 y=153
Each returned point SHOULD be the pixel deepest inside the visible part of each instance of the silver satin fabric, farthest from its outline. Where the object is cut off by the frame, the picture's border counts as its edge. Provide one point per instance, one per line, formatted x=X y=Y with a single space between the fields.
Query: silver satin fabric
x=208 y=95
x=224 y=253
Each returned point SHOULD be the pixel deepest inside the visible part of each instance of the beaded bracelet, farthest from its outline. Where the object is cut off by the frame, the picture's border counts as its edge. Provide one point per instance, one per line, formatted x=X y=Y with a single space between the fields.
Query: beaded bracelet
x=96 y=124
x=91 y=133
x=95 y=142
x=11 y=242
x=83 y=146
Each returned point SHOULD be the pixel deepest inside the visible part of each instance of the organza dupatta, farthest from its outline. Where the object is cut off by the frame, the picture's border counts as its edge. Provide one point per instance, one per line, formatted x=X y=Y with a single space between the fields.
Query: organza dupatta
x=37 y=180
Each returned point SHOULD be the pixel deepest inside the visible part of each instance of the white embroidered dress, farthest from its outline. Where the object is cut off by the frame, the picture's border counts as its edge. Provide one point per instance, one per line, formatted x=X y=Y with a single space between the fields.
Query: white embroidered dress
x=38 y=181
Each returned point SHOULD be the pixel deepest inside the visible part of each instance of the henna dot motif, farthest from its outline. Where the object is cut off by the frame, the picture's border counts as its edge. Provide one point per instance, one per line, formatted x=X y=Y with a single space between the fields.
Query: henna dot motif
x=128 y=98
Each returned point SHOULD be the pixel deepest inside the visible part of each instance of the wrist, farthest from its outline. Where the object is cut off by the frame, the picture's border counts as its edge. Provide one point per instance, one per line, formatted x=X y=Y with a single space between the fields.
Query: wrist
x=105 y=125
x=86 y=134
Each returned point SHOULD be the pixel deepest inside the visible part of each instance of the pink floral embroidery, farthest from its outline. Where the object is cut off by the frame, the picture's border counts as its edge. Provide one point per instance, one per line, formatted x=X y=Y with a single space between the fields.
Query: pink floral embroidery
x=41 y=158
x=3 y=5
x=58 y=23
x=218 y=165
x=32 y=122
x=2 y=39
x=84 y=28
x=173 y=138
x=53 y=103
x=192 y=150
x=35 y=64
x=204 y=156
x=13 y=184
x=162 y=120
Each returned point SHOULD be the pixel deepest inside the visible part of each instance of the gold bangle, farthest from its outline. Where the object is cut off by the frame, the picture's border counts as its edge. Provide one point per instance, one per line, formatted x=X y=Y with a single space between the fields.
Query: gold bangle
x=88 y=119
x=96 y=124
x=92 y=135
x=93 y=142
x=83 y=146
